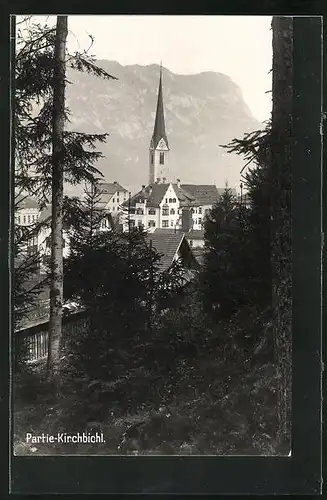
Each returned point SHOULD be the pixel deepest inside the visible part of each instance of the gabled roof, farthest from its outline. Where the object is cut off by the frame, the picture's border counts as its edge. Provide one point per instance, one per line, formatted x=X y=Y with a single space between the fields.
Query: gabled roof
x=167 y=243
x=153 y=196
x=206 y=194
x=108 y=189
x=184 y=196
x=111 y=187
x=159 y=131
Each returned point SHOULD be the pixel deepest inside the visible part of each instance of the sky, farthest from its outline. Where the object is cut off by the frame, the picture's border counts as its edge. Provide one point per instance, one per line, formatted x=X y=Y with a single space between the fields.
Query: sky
x=238 y=46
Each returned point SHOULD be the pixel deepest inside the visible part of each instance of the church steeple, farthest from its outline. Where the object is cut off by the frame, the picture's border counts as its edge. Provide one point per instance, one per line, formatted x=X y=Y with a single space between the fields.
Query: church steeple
x=159 y=131
x=159 y=143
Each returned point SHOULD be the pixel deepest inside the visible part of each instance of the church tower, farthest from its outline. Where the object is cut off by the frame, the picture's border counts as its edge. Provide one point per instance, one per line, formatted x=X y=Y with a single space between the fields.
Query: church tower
x=159 y=148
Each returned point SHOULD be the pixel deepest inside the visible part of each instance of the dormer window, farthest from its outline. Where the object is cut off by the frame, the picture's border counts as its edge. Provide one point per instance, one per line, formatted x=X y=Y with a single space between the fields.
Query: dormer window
x=162 y=158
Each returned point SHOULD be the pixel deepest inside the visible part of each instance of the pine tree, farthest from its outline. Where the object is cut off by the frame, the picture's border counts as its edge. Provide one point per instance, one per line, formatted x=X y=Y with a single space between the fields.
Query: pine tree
x=34 y=85
x=219 y=280
x=56 y=262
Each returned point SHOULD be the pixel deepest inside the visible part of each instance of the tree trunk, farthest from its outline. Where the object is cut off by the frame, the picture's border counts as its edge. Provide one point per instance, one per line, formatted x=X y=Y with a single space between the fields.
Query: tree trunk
x=56 y=262
x=281 y=218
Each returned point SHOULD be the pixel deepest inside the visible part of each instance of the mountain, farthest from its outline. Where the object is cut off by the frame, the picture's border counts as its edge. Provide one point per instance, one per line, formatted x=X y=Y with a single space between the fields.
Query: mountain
x=202 y=112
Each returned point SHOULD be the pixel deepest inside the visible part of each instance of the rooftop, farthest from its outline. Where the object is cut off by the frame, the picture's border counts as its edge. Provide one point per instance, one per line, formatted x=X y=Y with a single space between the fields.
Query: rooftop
x=206 y=194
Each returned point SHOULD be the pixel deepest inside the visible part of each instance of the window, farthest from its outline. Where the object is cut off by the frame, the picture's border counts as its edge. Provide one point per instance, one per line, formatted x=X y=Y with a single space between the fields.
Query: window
x=165 y=223
x=33 y=218
x=200 y=210
x=117 y=200
x=131 y=223
x=139 y=211
x=152 y=211
x=152 y=223
x=172 y=223
x=170 y=200
x=28 y=218
x=174 y=200
x=140 y=223
x=117 y=194
x=166 y=200
x=165 y=211
x=191 y=243
x=172 y=211
x=152 y=158
x=24 y=219
x=113 y=209
x=199 y=220
x=162 y=158
x=18 y=219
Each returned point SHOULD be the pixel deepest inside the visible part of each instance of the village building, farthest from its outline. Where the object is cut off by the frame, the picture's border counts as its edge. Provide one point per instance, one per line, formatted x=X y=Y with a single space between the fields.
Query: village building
x=173 y=247
x=111 y=197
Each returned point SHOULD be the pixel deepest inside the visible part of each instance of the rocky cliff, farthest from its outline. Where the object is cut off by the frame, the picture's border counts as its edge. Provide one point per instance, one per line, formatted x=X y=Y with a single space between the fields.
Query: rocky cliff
x=202 y=111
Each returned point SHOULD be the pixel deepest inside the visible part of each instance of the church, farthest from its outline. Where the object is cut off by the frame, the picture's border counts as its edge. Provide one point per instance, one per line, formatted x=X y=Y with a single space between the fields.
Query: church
x=164 y=204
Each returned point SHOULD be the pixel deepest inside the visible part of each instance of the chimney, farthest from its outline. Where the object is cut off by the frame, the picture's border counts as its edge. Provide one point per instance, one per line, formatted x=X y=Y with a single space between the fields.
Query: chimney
x=178 y=183
x=143 y=188
x=164 y=180
x=158 y=180
x=187 y=221
x=115 y=182
x=150 y=189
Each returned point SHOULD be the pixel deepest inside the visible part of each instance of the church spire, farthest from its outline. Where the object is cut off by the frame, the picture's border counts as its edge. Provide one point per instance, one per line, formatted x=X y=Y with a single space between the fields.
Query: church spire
x=159 y=131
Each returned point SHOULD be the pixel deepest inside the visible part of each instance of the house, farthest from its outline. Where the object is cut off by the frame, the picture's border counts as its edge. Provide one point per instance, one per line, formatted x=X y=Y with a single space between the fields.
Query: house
x=28 y=214
x=27 y=211
x=172 y=246
x=112 y=195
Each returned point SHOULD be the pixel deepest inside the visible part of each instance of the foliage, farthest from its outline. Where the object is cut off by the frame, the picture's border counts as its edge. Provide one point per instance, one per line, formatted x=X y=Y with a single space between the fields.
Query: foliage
x=34 y=84
x=225 y=232
x=34 y=77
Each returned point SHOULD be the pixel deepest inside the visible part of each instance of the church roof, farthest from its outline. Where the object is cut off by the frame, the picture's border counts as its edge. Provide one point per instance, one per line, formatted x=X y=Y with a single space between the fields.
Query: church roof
x=159 y=131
